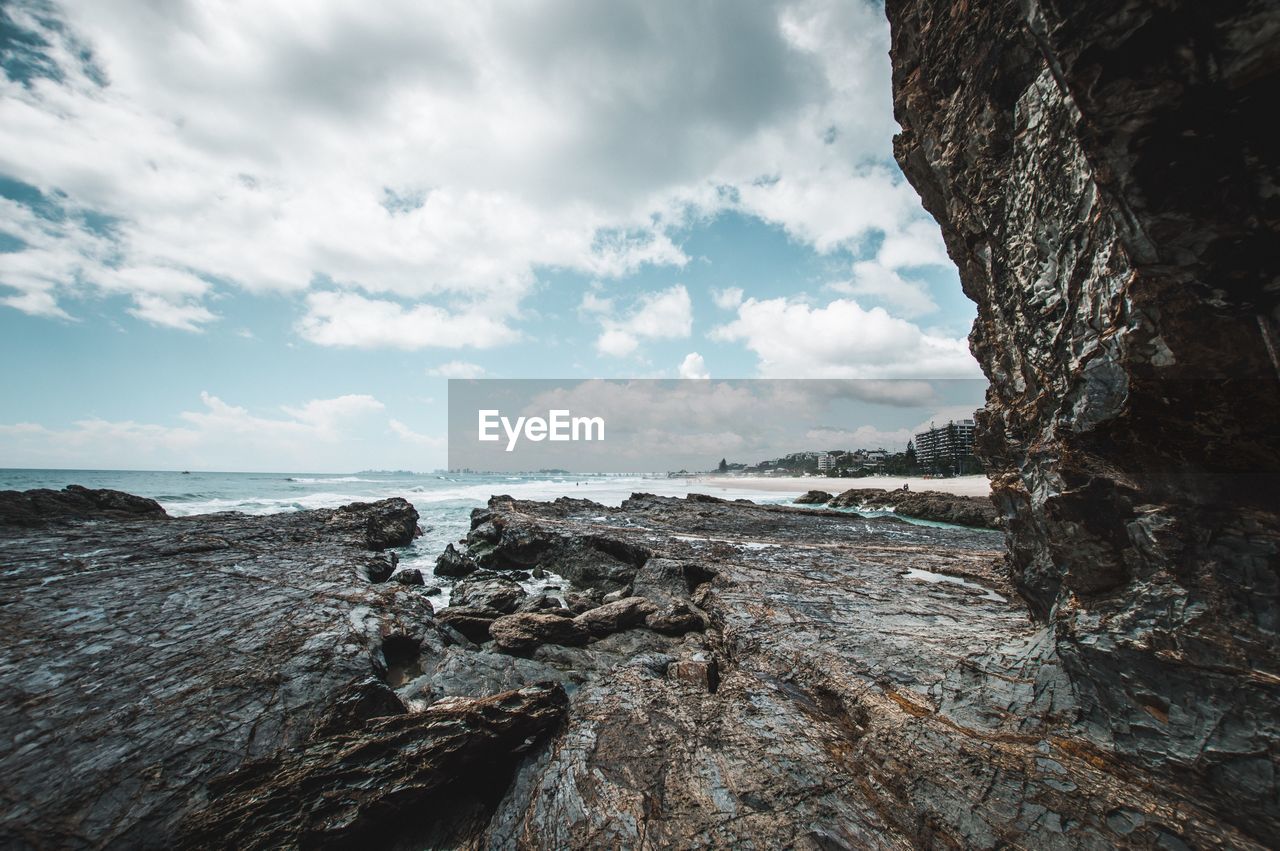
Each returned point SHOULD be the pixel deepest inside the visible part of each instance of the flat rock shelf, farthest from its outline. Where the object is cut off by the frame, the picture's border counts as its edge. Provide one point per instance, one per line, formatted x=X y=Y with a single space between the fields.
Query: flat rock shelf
x=716 y=674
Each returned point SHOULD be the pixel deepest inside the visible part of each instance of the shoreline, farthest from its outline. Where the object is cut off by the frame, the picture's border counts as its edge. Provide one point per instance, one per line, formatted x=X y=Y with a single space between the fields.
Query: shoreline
x=959 y=486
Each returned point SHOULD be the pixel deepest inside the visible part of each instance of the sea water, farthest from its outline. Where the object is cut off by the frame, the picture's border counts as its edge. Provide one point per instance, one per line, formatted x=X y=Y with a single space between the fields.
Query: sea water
x=444 y=501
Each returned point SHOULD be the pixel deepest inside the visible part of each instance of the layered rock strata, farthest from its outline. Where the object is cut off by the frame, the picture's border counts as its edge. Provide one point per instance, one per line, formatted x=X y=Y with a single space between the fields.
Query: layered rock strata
x=1105 y=181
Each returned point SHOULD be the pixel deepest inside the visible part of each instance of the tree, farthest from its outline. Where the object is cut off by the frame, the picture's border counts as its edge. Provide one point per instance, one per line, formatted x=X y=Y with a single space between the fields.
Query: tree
x=724 y=465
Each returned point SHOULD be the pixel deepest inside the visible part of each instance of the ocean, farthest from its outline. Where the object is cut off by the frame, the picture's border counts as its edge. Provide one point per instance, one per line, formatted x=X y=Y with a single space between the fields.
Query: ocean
x=444 y=501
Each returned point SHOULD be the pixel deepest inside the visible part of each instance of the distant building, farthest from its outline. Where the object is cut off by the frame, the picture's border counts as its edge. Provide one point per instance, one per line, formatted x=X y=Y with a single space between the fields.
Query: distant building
x=947 y=449
x=826 y=461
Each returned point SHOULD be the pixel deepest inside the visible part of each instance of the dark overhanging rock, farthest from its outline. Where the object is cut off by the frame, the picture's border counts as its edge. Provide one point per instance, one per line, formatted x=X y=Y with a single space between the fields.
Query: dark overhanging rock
x=1105 y=180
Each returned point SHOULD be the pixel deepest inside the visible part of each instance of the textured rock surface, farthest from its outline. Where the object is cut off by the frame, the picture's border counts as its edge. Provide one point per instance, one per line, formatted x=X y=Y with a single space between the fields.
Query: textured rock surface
x=144 y=656
x=861 y=683
x=1106 y=182
x=924 y=505
x=421 y=780
x=769 y=677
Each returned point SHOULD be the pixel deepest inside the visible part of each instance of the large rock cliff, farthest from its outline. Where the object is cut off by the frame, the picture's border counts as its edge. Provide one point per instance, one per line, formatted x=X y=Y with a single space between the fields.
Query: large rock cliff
x=1107 y=188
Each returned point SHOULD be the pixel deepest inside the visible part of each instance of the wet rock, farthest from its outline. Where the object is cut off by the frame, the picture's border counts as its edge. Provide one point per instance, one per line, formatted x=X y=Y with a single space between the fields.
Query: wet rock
x=676 y=619
x=411 y=779
x=378 y=569
x=473 y=622
x=357 y=704
x=74 y=502
x=615 y=616
x=409 y=576
x=193 y=644
x=506 y=542
x=924 y=505
x=846 y=689
x=497 y=593
x=579 y=602
x=813 y=498
x=542 y=602
x=523 y=632
x=380 y=525
x=451 y=562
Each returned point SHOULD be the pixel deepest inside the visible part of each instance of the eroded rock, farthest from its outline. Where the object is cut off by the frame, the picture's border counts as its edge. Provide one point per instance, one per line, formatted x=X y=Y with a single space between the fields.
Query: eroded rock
x=521 y=633
x=411 y=779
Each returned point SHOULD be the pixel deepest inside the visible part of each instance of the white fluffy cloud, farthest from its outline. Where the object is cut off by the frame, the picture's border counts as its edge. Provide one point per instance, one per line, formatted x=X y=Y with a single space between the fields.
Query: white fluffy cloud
x=728 y=298
x=792 y=339
x=322 y=435
x=404 y=163
x=457 y=369
x=870 y=278
x=667 y=314
x=693 y=366
x=350 y=319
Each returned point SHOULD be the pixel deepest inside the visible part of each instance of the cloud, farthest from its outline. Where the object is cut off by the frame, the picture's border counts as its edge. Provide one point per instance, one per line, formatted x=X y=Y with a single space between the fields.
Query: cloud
x=792 y=339
x=457 y=369
x=862 y=437
x=728 y=298
x=693 y=366
x=667 y=314
x=873 y=280
x=185 y=316
x=353 y=320
x=340 y=434
x=405 y=166
x=918 y=244
x=410 y=436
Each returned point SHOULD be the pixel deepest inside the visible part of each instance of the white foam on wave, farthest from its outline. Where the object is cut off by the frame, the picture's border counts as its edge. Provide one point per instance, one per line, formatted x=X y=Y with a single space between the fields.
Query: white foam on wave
x=433 y=493
x=262 y=505
x=303 y=480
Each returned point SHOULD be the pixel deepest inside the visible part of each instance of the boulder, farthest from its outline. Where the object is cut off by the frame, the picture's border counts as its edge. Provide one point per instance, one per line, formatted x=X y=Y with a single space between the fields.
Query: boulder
x=379 y=525
x=378 y=569
x=472 y=622
x=524 y=632
x=496 y=593
x=615 y=616
x=813 y=498
x=451 y=562
x=676 y=619
x=409 y=576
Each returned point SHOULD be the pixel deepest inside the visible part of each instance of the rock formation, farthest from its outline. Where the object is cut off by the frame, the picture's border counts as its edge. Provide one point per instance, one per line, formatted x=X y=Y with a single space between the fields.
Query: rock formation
x=923 y=505
x=731 y=675
x=146 y=655
x=1105 y=181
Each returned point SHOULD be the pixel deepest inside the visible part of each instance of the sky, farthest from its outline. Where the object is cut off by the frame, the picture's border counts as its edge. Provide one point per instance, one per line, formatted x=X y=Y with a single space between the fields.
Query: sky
x=262 y=236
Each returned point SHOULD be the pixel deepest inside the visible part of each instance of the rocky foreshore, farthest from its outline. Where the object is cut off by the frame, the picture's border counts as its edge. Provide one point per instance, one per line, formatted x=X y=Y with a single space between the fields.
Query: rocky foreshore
x=923 y=505
x=713 y=674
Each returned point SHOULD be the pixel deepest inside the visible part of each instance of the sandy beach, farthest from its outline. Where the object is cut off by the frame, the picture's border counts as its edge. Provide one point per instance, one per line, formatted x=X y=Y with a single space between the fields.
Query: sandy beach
x=961 y=485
